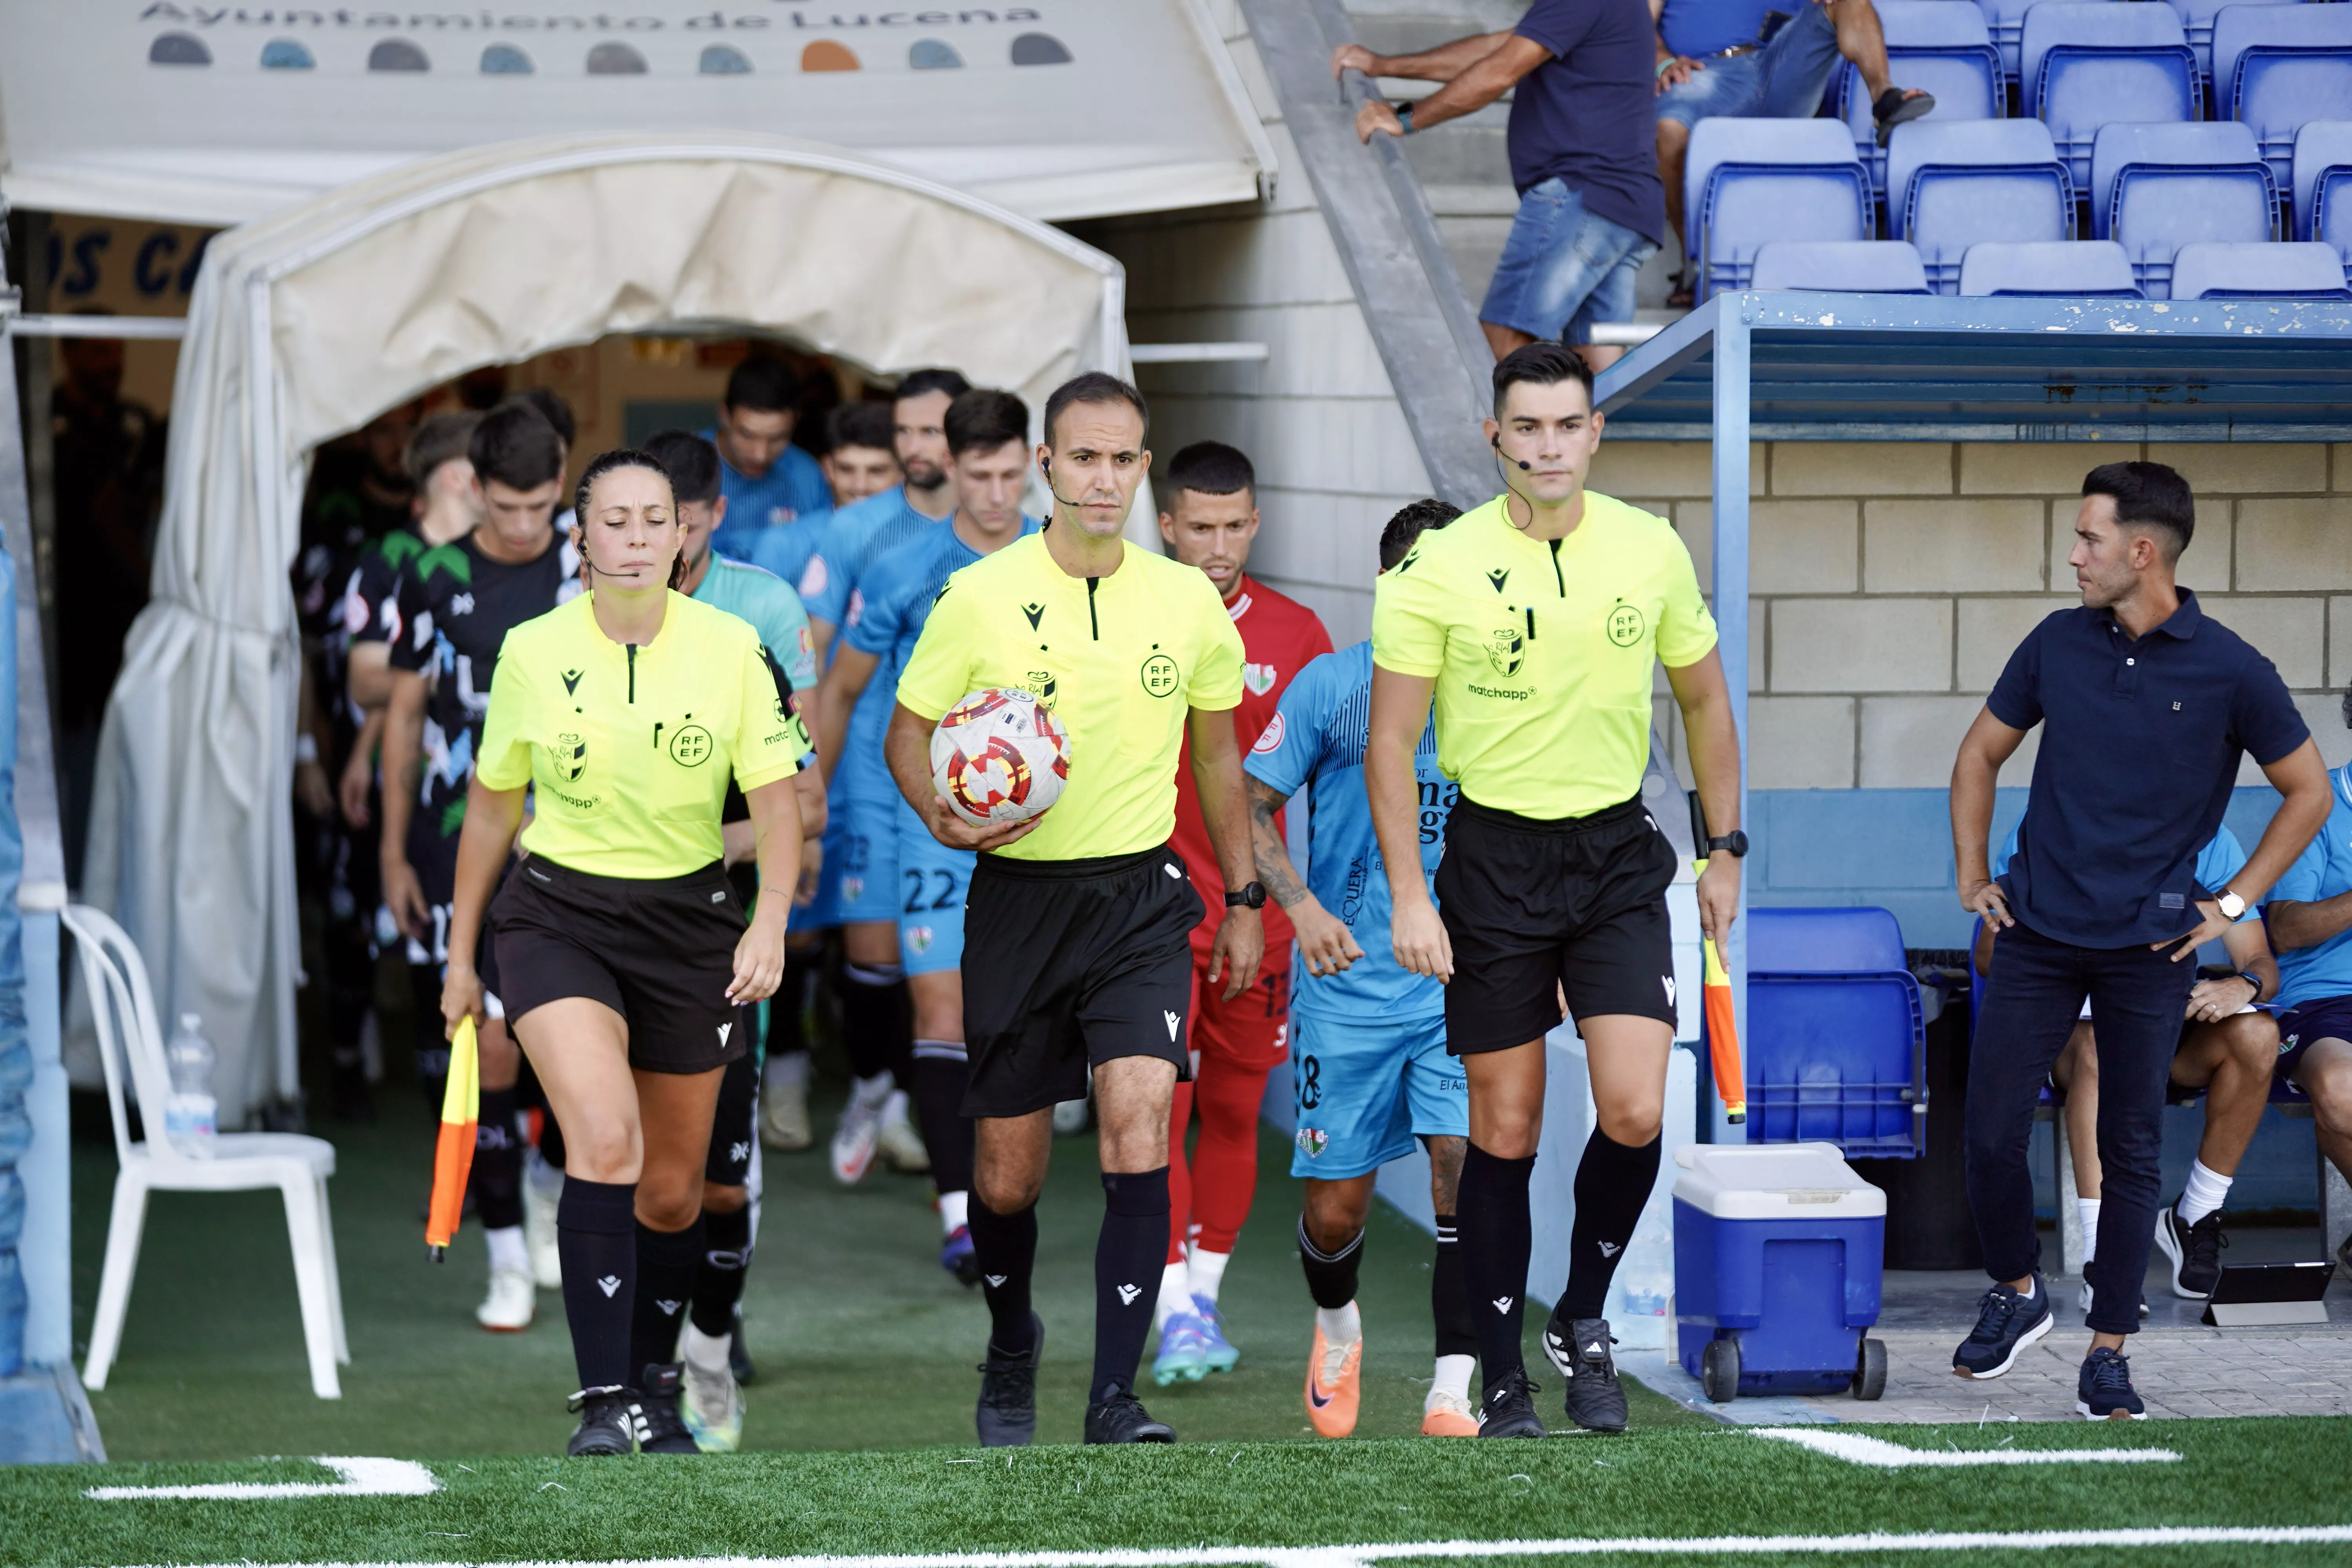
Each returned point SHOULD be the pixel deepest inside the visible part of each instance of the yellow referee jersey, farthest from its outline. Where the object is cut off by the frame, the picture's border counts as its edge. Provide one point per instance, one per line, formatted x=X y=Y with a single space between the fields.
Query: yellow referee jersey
x=1119 y=660
x=630 y=747
x=1542 y=650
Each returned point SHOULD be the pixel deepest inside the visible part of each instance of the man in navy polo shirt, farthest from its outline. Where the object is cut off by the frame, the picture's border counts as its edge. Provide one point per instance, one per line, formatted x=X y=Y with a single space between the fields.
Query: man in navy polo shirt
x=2146 y=707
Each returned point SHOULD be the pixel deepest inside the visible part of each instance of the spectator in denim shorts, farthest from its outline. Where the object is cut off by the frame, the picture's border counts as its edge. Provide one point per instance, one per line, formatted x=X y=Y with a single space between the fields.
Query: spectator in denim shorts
x=1591 y=210
x=1741 y=60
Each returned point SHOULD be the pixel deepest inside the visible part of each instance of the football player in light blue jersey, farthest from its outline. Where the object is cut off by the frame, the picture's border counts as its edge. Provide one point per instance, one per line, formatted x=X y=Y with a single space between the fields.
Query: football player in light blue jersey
x=858 y=462
x=987 y=454
x=2228 y=1048
x=859 y=534
x=766 y=480
x=1368 y=1055
x=2310 y=920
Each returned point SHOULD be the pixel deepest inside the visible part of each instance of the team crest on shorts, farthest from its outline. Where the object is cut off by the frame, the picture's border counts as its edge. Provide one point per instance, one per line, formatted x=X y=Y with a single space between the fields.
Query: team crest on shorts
x=1506 y=650
x=853 y=887
x=1312 y=1141
x=919 y=939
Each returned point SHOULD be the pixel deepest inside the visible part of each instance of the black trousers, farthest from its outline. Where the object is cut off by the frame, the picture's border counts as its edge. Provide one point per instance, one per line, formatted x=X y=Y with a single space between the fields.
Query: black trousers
x=2138 y=996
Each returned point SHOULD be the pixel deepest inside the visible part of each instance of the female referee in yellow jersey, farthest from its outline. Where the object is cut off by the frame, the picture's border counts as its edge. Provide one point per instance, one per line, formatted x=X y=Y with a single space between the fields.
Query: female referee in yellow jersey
x=625 y=967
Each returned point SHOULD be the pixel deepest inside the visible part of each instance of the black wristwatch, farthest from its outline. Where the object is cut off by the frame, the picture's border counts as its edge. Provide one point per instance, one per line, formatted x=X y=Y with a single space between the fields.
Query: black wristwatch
x=1736 y=841
x=1249 y=896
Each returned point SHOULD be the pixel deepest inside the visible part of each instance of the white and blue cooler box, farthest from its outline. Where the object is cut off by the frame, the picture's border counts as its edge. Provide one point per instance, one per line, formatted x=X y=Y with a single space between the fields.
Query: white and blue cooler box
x=1777 y=1252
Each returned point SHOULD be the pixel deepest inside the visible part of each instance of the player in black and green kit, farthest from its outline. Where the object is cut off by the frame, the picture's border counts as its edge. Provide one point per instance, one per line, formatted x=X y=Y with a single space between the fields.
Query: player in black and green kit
x=457 y=603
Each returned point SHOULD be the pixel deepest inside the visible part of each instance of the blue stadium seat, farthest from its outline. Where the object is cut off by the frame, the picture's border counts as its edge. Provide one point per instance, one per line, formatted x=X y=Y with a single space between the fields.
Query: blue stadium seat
x=2005 y=20
x=2210 y=271
x=2075 y=269
x=1839 y=266
x=2322 y=148
x=1749 y=182
x=1961 y=182
x=2084 y=65
x=2197 y=20
x=1836 y=1035
x=1940 y=46
x=2155 y=188
x=2278 y=66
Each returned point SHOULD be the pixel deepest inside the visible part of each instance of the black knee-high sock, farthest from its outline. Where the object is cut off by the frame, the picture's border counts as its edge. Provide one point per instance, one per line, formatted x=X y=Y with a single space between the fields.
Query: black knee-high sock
x=785 y=1036
x=1612 y=1184
x=1449 y=1295
x=666 y=1262
x=1128 y=1256
x=1330 y=1276
x=719 y=1277
x=941 y=1074
x=597 y=1237
x=1496 y=1238
x=876 y=1023
x=432 y=1050
x=496 y=1175
x=1006 y=1246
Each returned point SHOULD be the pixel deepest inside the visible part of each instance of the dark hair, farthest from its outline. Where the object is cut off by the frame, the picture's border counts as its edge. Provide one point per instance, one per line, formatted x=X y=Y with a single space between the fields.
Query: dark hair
x=2149 y=497
x=1540 y=365
x=1096 y=387
x=1412 y=520
x=765 y=386
x=514 y=444
x=691 y=463
x=598 y=467
x=858 y=425
x=923 y=382
x=1212 y=468
x=444 y=438
x=552 y=409
x=984 y=419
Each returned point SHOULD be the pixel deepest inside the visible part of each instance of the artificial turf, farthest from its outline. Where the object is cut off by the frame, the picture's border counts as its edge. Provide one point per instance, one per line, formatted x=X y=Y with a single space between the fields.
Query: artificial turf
x=861 y=1342
x=1680 y=1482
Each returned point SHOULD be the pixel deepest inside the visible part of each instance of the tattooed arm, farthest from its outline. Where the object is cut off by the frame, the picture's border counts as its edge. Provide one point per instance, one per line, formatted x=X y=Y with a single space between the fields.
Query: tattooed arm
x=1323 y=940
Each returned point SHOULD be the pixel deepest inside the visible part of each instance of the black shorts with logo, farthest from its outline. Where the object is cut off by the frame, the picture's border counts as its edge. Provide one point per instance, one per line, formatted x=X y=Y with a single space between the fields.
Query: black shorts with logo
x=660 y=951
x=1068 y=963
x=1534 y=907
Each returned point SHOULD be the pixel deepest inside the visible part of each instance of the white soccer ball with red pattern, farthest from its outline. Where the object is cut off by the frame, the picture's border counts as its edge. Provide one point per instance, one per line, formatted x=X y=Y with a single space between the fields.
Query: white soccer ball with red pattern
x=1000 y=757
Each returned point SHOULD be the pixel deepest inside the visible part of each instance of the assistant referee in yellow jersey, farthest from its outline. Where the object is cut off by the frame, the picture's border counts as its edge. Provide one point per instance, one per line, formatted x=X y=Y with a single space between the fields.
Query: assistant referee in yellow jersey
x=1077 y=948
x=1534 y=622
x=626 y=966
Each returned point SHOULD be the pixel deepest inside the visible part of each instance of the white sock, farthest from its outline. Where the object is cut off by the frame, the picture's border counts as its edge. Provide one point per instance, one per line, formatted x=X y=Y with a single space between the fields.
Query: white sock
x=893 y=1107
x=2089 y=1208
x=1452 y=1376
x=707 y=1351
x=2207 y=1190
x=955 y=1212
x=507 y=1253
x=792 y=1067
x=1173 y=1296
x=1207 y=1271
x=2029 y=1292
x=871 y=1093
x=1340 y=1324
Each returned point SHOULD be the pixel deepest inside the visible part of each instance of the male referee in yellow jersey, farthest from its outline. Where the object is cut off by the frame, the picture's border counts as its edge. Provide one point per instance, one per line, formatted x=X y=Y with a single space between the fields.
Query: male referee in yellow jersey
x=1076 y=949
x=1534 y=620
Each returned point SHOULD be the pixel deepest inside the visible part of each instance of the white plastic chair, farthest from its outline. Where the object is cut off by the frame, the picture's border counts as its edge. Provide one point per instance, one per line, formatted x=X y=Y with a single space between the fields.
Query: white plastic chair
x=298 y=1166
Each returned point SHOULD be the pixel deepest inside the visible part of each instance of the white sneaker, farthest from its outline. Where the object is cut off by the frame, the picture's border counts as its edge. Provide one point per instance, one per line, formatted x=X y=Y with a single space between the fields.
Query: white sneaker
x=853 y=1141
x=540 y=1204
x=901 y=1146
x=713 y=1402
x=784 y=1116
x=512 y=1304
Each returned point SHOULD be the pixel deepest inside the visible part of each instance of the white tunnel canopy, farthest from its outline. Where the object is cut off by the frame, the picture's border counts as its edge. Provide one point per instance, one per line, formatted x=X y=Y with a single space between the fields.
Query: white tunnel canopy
x=309 y=323
x=214 y=113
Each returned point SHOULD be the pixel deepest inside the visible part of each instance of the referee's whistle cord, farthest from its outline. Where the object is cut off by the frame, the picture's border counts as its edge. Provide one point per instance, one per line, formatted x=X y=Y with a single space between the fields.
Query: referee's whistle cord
x=632 y=669
x=1094 y=624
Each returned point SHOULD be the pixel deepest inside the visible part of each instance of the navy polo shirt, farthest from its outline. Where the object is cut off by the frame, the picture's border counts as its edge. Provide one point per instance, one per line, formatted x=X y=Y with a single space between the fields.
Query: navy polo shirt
x=2140 y=742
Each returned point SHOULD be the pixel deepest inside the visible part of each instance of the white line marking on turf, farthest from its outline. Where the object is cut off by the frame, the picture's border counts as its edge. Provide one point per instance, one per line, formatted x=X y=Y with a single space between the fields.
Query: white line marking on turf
x=362 y=1478
x=1602 y=1546
x=1857 y=1449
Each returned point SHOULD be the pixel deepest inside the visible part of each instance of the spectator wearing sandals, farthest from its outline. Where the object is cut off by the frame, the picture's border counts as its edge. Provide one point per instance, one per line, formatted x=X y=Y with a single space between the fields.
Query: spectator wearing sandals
x=1741 y=59
x=1590 y=207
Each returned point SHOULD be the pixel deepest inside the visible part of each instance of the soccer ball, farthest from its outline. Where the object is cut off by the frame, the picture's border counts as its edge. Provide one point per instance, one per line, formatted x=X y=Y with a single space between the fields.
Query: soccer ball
x=999 y=757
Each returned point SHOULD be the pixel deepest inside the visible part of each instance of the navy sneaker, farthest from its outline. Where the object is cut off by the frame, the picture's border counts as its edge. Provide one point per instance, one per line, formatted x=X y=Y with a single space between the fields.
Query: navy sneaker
x=2006 y=1324
x=2103 y=1392
x=2193 y=1250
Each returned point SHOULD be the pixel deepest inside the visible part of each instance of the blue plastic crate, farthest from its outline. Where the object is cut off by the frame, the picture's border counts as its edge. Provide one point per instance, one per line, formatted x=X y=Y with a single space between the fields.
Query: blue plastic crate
x=1836 y=1035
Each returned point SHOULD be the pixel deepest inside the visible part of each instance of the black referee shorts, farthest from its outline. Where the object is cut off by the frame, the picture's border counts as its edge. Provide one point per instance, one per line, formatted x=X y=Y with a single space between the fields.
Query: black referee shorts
x=1534 y=907
x=660 y=951
x=1068 y=963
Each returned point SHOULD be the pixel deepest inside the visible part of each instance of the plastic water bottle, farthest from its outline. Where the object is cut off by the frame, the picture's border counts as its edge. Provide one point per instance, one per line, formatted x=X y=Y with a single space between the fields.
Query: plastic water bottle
x=191 y=1116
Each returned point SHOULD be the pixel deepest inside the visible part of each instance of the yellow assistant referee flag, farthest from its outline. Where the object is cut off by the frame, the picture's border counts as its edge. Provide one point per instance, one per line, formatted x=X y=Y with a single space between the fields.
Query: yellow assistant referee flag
x=452 y=1154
